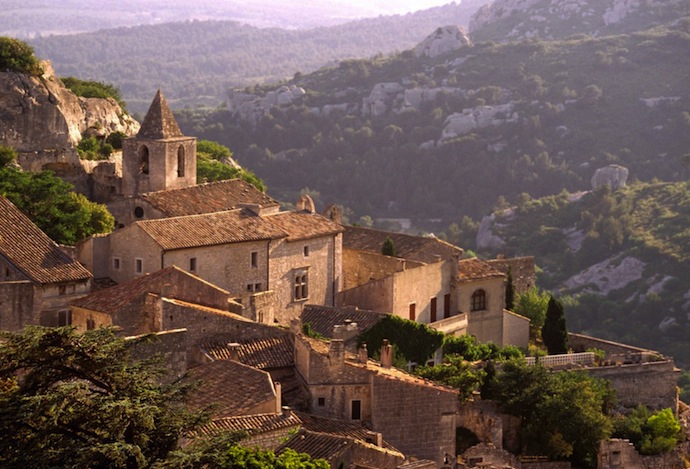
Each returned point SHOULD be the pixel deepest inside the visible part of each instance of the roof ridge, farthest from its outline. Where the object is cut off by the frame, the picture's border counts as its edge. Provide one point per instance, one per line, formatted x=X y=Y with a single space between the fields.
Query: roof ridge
x=159 y=122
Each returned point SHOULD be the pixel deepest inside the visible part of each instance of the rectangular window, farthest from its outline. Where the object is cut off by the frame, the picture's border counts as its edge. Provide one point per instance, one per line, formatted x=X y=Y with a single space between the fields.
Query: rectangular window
x=254 y=261
x=446 y=305
x=253 y=287
x=413 y=311
x=301 y=286
x=306 y=251
x=62 y=289
x=116 y=263
x=432 y=307
x=322 y=401
x=64 y=317
x=356 y=410
x=139 y=266
x=192 y=264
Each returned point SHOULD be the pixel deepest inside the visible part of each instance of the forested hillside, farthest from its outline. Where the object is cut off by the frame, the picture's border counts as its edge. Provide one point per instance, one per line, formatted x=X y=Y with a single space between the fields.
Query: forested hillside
x=197 y=62
x=455 y=135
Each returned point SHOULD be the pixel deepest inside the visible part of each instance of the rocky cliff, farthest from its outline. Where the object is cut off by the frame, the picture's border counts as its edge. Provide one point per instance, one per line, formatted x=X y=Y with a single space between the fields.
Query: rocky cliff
x=44 y=121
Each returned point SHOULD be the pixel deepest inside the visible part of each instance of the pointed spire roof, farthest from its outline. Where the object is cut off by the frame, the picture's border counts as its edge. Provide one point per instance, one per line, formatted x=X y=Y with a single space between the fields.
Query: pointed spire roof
x=159 y=122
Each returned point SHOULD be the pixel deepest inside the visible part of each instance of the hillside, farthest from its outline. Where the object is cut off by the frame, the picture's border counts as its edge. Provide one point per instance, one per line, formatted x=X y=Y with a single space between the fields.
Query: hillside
x=196 y=62
x=453 y=135
x=622 y=255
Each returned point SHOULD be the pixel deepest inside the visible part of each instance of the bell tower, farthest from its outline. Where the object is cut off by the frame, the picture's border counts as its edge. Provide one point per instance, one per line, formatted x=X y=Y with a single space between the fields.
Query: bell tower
x=159 y=157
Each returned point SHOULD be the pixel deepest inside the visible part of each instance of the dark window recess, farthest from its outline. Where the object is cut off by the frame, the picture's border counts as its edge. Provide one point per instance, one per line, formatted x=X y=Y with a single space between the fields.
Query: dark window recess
x=138 y=212
x=356 y=410
x=446 y=305
x=433 y=310
x=478 y=301
x=322 y=401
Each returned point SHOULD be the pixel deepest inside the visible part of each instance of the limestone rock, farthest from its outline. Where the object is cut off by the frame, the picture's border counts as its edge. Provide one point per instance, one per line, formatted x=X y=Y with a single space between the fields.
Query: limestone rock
x=381 y=98
x=252 y=107
x=462 y=123
x=443 y=40
x=485 y=239
x=615 y=176
x=606 y=276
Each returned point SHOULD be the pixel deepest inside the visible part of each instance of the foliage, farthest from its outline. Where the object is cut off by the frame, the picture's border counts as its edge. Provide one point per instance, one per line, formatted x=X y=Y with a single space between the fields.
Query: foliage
x=115 y=139
x=209 y=166
x=651 y=432
x=554 y=332
x=532 y=304
x=18 y=56
x=510 y=291
x=49 y=202
x=213 y=150
x=417 y=342
x=454 y=372
x=310 y=332
x=7 y=155
x=564 y=414
x=94 y=89
x=77 y=400
x=91 y=148
x=388 y=248
x=470 y=349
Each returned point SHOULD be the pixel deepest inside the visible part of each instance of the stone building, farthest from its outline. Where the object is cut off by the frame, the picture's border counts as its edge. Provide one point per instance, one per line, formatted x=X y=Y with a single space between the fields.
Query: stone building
x=38 y=279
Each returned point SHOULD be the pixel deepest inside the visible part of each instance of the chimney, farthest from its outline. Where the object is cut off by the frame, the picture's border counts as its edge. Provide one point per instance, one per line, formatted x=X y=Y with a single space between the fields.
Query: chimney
x=295 y=326
x=287 y=412
x=386 y=354
x=336 y=352
x=234 y=351
x=279 y=397
x=363 y=354
x=375 y=438
x=338 y=331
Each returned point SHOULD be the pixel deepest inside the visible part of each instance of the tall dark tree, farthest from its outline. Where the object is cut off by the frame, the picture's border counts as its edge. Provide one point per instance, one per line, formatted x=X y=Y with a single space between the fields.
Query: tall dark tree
x=554 y=332
x=510 y=291
x=388 y=248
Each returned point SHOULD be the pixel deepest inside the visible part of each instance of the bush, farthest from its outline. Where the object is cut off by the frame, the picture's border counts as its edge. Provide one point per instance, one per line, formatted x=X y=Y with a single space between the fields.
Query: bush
x=18 y=56
x=94 y=89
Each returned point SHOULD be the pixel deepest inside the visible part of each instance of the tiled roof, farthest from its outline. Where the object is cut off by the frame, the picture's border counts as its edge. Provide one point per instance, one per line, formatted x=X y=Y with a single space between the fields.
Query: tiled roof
x=210 y=229
x=322 y=319
x=273 y=352
x=316 y=445
x=208 y=198
x=303 y=224
x=476 y=269
x=252 y=424
x=337 y=427
x=111 y=300
x=230 y=387
x=159 y=122
x=31 y=251
x=416 y=248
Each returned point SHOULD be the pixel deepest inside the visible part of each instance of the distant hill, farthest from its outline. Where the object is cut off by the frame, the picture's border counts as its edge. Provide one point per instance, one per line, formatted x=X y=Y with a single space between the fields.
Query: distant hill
x=622 y=255
x=196 y=62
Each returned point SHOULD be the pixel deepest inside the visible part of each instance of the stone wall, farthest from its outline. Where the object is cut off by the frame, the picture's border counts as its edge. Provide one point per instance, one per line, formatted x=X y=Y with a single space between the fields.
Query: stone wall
x=360 y=267
x=486 y=325
x=128 y=244
x=17 y=305
x=376 y=295
x=581 y=343
x=418 y=286
x=515 y=329
x=521 y=269
x=484 y=420
x=483 y=455
x=170 y=345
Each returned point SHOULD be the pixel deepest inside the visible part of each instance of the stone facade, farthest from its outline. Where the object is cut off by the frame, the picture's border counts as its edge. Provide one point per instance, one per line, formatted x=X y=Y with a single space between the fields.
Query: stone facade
x=486 y=324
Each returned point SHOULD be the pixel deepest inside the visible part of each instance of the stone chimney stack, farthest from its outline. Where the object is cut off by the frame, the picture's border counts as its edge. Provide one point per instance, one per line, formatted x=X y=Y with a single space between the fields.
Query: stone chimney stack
x=279 y=397
x=295 y=326
x=386 y=354
x=375 y=438
x=336 y=353
x=363 y=354
x=234 y=351
x=287 y=412
x=338 y=331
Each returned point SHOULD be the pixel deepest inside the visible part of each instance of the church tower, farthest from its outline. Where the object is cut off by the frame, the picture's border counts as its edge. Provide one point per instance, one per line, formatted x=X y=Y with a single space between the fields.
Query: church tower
x=159 y=157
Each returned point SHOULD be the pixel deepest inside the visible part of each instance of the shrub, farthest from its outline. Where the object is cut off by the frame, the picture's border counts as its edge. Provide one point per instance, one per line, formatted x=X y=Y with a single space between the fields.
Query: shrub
x=18 y=56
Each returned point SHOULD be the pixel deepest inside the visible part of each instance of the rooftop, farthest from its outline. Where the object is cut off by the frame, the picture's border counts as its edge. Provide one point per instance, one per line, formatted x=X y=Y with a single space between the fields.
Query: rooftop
x=252 y=424
x=159 y=122
x=208 y=198
x=316 y=445
x=337 y=427
x=272 y=352
x=322 y=319
x=32 y=252
x=300 y=225
x=416 y=248
x=476 y=269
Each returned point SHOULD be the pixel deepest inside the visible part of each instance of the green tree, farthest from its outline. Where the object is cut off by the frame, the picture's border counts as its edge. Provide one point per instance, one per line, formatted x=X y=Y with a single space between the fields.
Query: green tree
x=7 y=155
x=78 y=400
x=510 y=291
x=454 y=372
x=49 y=202
x=388 y=248
x=651 y=433
x=18 y=56
x=532 y=304
x=554 y=332
x=417 y=342
x=94 y=89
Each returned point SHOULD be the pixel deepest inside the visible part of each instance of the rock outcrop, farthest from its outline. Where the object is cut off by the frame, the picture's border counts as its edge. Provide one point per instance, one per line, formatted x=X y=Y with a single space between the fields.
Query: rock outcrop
x=606 y=276
x=251 y=107
x=443 y=40
x=613 y=175
x=44 y=121
x=485 y=239
x=480 y=117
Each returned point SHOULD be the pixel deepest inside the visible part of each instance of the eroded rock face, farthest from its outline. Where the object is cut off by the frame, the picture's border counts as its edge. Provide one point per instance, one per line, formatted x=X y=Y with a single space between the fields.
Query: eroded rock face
x=44 y=121
x=443 y=40
x=614 y=175
x=606 y=276
x=485 y=239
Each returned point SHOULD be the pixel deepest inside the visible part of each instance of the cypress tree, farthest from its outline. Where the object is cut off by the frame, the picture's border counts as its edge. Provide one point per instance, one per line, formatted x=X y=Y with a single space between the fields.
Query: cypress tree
x=554 y=333
x=510 y=291
x=388 y=248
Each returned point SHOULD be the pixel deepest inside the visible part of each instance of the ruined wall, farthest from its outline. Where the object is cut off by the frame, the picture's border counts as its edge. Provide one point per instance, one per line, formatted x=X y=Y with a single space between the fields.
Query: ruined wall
x=489 y=455
x=171 y=345
x=581 y=343
x=483 y=419
x=360 y=267
x=618 y=453
x=521 y=269
x=376 y=295
x=419 y=420
x=17 y=305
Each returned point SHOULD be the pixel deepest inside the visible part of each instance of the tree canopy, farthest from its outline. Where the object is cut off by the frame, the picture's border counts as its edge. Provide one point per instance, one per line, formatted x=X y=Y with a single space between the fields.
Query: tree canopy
x=18 y=56
x=554 y=332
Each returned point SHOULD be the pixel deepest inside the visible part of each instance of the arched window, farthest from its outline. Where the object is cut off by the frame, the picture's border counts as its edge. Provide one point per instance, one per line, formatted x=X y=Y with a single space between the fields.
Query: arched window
x=478 y=300
x=144 y=159
x=180 y=162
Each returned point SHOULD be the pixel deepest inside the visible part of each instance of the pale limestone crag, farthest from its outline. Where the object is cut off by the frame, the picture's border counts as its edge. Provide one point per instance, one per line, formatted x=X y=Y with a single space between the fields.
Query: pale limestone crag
x=606 y=276
x=614 y=175
x=442 y=41
x=485 y=239
x=480 y=117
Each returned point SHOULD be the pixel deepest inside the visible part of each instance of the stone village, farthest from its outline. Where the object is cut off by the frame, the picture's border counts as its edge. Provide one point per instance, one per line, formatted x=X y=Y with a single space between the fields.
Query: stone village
x=226 y=280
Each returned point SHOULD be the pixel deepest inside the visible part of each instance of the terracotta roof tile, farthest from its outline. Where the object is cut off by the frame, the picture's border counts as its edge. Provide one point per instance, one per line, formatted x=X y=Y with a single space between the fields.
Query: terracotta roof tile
x=476 y=269
x=31 y=251
x=274 y=352
x=303 y=224
x=337 y=427
x=252 y=424
x=230 y=387
x=317 y=445
x=210 y=229
x=417 y=248
x=322 y=319
x=208 y=198
x=159 y=122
